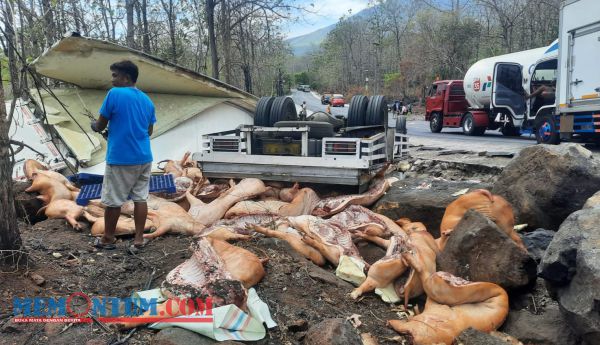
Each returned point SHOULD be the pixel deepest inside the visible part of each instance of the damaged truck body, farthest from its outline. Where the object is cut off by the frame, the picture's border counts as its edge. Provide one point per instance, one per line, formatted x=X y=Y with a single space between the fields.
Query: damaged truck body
x=231 y=133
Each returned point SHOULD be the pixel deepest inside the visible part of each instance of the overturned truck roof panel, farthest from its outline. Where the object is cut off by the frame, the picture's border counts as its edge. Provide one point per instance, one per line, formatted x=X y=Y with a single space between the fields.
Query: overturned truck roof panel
x=85 y=62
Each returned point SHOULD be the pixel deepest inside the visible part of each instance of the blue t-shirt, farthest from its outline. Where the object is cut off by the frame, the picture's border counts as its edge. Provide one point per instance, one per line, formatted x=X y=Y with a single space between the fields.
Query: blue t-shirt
x=130 y=112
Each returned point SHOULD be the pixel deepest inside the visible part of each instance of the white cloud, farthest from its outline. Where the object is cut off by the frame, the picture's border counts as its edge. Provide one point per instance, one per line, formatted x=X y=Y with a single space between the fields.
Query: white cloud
x=323 y=13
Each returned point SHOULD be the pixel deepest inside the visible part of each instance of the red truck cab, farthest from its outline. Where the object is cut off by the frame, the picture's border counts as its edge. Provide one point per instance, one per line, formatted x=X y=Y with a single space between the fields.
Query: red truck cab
x=446 y=106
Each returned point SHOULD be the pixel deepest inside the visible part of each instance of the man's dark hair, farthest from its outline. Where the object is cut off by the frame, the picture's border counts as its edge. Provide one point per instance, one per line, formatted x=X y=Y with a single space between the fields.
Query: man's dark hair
x=126 y=67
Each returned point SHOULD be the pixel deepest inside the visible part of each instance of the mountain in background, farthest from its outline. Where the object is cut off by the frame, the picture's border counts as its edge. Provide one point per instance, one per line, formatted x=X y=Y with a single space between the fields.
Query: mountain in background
x=307 y=43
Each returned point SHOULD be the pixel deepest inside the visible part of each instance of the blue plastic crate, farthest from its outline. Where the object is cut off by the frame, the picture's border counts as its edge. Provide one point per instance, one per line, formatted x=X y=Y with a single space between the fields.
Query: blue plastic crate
x=84 y=179
x=158 y=183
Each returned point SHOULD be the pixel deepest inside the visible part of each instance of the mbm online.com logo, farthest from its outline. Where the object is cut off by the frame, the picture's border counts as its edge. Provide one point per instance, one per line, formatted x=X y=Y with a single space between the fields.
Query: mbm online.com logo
x=79 y=307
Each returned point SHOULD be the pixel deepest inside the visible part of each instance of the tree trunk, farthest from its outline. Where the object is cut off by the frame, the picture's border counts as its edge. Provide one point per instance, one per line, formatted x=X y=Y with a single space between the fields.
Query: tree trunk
x=212 y=40
x=226 y=40
x=130 y=29
x=10 y=239
x=49 y=29
x=145 y=33
x=11 y=44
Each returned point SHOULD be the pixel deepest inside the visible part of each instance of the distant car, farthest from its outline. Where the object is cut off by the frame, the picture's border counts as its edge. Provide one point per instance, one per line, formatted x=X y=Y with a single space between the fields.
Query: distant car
x=338 y=101
x=304 y=87
x=325 y=99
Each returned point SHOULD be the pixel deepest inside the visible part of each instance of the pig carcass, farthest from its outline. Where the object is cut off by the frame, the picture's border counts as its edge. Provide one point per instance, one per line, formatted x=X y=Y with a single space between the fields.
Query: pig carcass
x=329 y=206
x=494 y=207
x=67 y=209
x=294 y=239
x=50 y=189
x=303 y=203
x=207 y=214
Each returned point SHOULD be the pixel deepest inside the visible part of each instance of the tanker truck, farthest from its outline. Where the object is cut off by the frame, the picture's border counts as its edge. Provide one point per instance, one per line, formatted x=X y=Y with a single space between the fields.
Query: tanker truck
x=500 y=92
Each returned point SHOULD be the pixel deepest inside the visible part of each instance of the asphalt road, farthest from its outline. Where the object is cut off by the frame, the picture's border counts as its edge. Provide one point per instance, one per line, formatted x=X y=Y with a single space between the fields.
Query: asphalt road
x=454 y=139
x=313 y=103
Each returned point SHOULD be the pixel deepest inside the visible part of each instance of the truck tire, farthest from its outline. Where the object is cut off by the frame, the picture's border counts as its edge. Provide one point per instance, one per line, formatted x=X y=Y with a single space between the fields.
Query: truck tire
x=376 y=111
x=317 y=130
x=468 y=126
x=283 y=109
x=401 y=124
x=510 y=131
x=357 y=111
x=436 y=123
x=263 y=111
x=545 y=130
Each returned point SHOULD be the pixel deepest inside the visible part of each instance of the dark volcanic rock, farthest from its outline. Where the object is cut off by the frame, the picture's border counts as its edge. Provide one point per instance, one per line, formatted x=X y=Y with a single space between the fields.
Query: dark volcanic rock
x=472 y=336
x=332 y=332
x=548 y=328
x=478 y=250
x=546 y=183
x=422 y=200
x=537 y=241
x=571 y=265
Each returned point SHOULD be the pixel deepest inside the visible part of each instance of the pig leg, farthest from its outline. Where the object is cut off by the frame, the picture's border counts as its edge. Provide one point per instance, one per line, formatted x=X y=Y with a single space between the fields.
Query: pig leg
x=295 y=242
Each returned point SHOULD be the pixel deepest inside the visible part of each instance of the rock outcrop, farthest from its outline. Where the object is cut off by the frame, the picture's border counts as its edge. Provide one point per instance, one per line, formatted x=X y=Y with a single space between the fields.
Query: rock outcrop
x=546 y=183
x=571 y=266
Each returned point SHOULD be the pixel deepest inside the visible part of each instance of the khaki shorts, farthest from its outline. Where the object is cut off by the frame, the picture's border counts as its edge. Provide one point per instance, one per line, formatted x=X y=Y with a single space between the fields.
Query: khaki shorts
x=124 y=181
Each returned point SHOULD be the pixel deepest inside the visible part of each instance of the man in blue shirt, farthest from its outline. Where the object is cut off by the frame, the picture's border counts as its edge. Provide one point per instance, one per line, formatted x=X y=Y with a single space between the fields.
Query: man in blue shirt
x=130 y=117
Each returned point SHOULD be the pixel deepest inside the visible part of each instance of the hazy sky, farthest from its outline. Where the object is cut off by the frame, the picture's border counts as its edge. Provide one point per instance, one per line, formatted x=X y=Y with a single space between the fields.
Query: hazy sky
x=326 y=12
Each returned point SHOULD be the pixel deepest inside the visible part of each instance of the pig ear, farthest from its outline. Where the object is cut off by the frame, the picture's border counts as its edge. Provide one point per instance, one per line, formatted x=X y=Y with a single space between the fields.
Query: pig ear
x=41 y=209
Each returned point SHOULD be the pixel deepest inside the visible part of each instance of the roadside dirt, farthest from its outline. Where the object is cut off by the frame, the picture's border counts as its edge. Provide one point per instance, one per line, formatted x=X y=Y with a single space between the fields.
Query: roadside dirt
x=294 y=288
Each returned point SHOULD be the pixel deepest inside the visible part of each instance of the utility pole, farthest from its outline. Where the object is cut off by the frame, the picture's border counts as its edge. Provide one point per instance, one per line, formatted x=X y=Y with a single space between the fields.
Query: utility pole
x=279 y=83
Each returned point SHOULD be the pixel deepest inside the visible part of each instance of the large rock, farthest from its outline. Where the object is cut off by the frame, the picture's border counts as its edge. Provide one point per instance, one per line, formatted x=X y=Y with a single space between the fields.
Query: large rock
x=547 y=183
x=548 y=328
x=478 y=250
x=537 y=241
x=180 y=336
x=422 y=200
x=332 y=332
x=571 y=266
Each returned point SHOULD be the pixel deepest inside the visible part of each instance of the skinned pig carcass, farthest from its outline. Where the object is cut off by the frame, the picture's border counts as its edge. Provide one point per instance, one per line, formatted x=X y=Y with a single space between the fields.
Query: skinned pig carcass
x=335 y=244
x=360 y=219
x=303 y=203
x=294 y=239
x=169 y=217
x=453 y=305
x=330 y=206
x=238 y=228
x=494 y=207
x=206 y=275
x=208 y=214
x=390 y=276
x=288 y=194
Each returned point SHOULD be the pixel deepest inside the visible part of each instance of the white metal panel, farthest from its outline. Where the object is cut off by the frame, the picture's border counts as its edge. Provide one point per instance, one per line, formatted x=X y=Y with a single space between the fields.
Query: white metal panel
x=575 y=16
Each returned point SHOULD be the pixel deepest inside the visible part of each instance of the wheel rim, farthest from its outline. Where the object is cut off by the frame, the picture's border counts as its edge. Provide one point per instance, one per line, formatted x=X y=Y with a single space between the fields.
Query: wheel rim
x=545 y=131
x=468 y=124
x=435 y=122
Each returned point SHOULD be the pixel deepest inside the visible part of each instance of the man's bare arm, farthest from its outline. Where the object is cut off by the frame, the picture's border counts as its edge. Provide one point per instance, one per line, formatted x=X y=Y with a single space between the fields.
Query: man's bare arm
x=100 y=124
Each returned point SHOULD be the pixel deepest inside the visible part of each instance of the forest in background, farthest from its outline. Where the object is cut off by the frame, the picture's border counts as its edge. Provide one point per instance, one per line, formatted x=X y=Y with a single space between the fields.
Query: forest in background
x=404 y=45
x=237 y=41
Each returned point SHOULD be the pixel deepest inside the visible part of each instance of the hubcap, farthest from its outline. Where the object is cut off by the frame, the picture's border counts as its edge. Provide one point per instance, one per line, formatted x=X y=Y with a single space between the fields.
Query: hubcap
x=468 y=124
x=545 y=131
x=434 y=122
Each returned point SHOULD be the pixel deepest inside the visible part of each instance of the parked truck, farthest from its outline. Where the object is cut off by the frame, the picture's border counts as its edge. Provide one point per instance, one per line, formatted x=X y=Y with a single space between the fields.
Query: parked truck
x=497 y=92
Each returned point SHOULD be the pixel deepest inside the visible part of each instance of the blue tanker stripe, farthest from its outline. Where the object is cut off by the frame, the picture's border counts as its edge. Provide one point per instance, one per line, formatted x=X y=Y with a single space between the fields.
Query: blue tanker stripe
x=552 y=48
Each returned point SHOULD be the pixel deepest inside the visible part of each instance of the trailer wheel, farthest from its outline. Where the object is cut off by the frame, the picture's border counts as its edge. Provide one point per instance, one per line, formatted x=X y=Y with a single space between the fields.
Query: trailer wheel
x=283 y=109
x=468 y=126
x=263 y=111
x=376 y=111
x=545 y=130
x=436 y=123
x=510 y=131
x=316 y=129
x=357 y=111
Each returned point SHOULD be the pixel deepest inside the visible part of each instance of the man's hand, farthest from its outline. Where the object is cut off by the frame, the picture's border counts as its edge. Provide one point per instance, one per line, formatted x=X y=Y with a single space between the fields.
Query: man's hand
x=93 y=126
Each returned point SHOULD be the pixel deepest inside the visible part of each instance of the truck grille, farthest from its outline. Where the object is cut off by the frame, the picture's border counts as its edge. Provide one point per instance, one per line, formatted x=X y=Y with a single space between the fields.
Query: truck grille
x=226 y=145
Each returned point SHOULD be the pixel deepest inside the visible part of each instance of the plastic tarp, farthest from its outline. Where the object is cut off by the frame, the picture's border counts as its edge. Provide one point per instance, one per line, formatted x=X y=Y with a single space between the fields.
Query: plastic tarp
x=90 y=147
